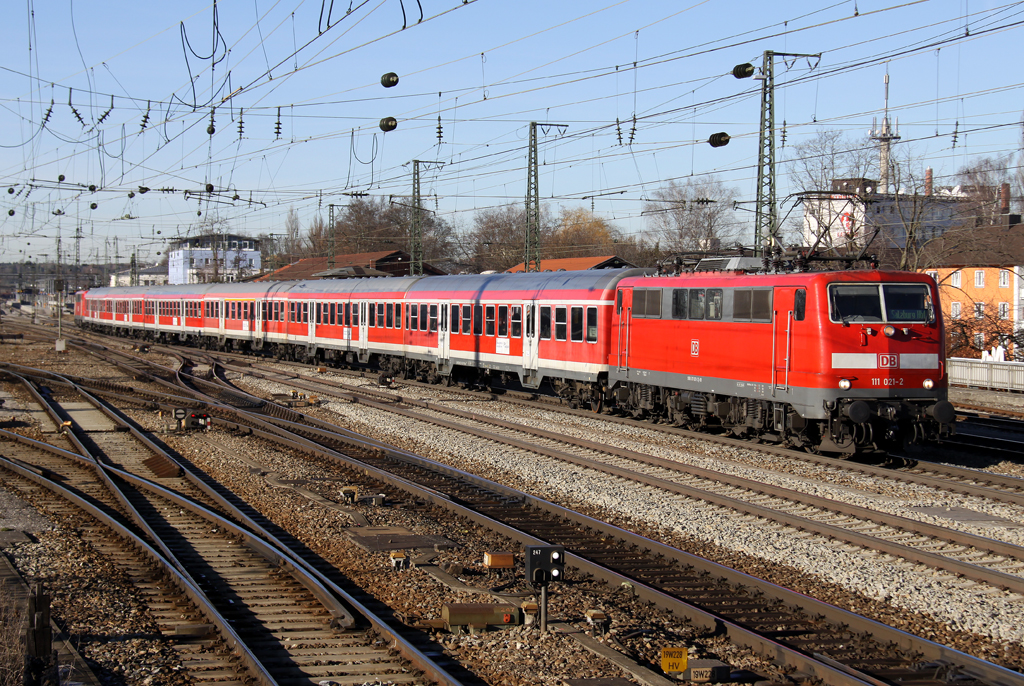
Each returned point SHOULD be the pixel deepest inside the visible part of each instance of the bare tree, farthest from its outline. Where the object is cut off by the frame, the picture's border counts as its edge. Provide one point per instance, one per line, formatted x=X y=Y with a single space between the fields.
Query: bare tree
x=580 y=233
x=292 y=235
x=694 y=216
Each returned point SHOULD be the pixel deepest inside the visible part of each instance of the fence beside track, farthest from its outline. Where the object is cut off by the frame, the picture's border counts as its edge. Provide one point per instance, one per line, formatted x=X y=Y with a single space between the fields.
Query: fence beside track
x=996 y=376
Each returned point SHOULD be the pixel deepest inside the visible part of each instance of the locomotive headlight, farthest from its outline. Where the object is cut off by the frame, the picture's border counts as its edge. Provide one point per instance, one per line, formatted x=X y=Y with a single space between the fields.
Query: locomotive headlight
x=844 y=384
x=928 y=384
x=889 y=330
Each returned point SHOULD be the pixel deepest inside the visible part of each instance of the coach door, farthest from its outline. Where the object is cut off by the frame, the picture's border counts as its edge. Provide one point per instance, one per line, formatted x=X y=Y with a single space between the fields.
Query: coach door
x=258 y=317
x=443 y=339
x=784 y=313
x=623 y=300
x=530 y=344
x=364 y=331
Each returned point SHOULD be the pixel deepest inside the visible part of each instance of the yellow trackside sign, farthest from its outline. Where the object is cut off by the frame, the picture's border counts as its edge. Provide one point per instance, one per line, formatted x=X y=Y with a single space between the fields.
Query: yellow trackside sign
x=673 y=660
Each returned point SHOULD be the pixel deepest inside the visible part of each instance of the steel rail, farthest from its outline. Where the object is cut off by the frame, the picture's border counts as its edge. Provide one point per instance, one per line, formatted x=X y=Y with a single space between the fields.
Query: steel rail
x=831 y=674
x=314 y=580
x=183 y=581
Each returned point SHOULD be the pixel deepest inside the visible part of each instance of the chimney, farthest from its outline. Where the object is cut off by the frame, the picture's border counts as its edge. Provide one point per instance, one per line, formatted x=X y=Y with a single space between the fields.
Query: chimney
x=1004 y=199
x=928 y=181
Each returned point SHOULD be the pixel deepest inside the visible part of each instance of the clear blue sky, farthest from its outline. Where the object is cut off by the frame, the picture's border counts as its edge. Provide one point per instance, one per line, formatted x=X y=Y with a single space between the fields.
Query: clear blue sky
x=488 y=68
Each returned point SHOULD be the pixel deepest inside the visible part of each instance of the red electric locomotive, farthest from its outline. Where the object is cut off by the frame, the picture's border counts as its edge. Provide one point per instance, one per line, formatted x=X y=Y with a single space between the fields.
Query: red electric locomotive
x=835 y=361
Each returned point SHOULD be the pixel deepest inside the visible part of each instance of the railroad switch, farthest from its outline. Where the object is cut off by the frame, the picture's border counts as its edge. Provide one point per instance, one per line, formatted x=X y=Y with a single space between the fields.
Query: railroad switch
x=461 y=616
x=499 y=560
x=599 y=621
x=378 y=500
x=399 y=560
x=350 y=494
x=530 y=610
x=195 y=420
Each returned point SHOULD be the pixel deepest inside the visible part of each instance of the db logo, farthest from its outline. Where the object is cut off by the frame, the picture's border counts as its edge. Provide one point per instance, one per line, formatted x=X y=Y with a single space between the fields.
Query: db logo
x=888 y=361
x=694 y=348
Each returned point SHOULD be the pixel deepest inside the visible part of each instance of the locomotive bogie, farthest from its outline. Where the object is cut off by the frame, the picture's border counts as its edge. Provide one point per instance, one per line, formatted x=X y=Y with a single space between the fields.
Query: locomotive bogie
x=835 y=361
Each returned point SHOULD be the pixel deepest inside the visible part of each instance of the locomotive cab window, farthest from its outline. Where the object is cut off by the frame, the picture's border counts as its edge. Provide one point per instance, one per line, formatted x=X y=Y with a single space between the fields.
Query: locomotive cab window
x=891 y=302
x=907 y=302
x=854 y=303
x=800 y=305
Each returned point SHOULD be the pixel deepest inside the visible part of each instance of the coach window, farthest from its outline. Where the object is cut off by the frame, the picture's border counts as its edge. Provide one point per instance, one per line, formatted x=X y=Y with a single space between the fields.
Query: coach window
x=433 y=318
x=561 y=325
x=478 y=319
x=317 y=309
x=355 y=314
x=398 y=315
x=489 y=330
x=799 y=304
x=430 y=319
x=332 y=312
x=503 y=320
x=576 y=328
x=591 y=325
x=517 y=321
x=380 y=315
x=234 y=308
x=305 y=313
x=413 y=318
x=545 y=323
x=696 y=303
x=371 y=320
x=714 y=303
x=391 y=316
x=678 y=303
x=467 y=319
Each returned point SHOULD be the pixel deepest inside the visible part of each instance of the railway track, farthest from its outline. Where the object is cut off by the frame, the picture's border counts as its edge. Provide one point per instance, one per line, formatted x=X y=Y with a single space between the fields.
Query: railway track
x=971 y=556
x=665 y=568
x=665 y=571
x=290 y=626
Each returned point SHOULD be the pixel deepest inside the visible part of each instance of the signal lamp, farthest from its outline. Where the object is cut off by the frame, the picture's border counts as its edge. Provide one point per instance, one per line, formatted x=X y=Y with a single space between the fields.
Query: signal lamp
x=889 y=330
x=844 y=384
x=928 y=384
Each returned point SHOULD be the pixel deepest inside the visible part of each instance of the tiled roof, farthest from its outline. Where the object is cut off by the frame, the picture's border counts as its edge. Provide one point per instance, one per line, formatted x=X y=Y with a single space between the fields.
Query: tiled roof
x=570 y=264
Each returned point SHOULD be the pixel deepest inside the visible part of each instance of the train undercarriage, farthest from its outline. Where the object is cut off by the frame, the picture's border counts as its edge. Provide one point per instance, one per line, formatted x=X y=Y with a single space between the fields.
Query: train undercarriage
x=852 y=426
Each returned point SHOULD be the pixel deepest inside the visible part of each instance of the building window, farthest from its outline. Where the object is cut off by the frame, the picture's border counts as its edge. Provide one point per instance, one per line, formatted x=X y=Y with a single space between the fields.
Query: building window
x=979 y=278
x=954 y=279
x=1004 y=310
x=979 y=310
x=934 y=275
x=1004 y=278
x=954 y=310
x=979 y=340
